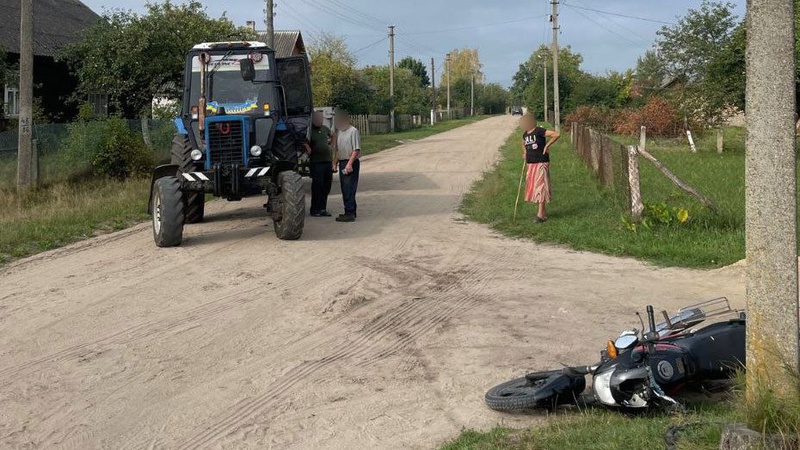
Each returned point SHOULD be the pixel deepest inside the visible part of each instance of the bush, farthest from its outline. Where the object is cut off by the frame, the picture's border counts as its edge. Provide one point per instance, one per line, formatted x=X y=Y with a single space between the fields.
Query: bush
x=600 y=118
x=107 y=148
x=123 y=153
x=659 y=116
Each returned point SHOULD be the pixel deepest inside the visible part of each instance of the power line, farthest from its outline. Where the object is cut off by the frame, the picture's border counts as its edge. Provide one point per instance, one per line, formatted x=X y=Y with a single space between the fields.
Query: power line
x=617 y=23
x=472 y=27
x=367 y=47
x=358 y=12
x=618 y=15
x=621 y=36
x=353 y=21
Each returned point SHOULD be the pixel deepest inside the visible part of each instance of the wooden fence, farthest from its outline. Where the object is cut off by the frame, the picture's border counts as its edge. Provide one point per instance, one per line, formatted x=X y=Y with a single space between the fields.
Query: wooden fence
x=617 y=167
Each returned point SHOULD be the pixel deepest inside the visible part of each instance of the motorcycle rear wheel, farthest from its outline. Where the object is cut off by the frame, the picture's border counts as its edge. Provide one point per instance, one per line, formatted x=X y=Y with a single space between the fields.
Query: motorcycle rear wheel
x=535 y=390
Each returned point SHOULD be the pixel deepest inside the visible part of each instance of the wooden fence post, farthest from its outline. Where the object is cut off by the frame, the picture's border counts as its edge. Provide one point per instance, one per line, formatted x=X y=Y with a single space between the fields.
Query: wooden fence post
x=643 y=137
x=633 y=181
x=720 y=140
x=680 y=183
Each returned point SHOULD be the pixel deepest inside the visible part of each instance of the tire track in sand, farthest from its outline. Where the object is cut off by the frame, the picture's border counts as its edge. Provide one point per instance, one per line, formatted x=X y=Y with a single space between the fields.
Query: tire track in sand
x=376 y=341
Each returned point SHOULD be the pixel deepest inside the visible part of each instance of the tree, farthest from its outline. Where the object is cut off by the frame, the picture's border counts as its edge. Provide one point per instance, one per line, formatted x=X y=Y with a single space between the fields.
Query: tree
x=417 y=68
x=492 y=97
x=688 y=46
x=134 y=58
x=410 y=97
x=650 y=73
x=528 y=84
x=334 y=79
x=463 y=64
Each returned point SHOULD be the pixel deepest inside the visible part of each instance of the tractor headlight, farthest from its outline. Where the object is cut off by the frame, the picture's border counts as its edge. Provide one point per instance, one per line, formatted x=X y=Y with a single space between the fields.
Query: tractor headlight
x=256 y=150
x=196 y=155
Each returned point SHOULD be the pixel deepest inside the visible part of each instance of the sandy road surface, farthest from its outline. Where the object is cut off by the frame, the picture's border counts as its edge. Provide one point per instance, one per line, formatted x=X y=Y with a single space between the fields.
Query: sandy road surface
x=381 y=334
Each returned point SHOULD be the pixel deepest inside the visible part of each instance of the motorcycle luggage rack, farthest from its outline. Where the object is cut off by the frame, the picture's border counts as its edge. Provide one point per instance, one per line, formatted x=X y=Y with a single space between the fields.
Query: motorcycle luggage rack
x=691 y=315
x=711 y=308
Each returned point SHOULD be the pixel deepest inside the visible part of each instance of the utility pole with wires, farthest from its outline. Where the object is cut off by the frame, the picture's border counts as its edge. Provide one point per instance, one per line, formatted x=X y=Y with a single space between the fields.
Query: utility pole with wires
x=25 y=157
x=448 y=86
x=472 y=96
x=391 y=76
x=546 y=103
x=269 y=21
x=556 y=102
x=433 y=92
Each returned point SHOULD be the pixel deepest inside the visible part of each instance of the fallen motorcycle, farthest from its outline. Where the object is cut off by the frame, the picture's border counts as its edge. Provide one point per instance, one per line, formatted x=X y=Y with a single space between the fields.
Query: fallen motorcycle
x=641 y=369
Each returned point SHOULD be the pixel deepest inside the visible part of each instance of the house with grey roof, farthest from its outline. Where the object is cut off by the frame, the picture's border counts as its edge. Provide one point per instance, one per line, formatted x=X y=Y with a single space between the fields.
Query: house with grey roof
x=57 y=24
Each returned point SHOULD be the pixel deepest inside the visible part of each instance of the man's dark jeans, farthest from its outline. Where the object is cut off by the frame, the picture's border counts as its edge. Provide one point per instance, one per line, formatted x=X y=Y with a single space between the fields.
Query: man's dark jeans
x=321 y=179
x=349 y=186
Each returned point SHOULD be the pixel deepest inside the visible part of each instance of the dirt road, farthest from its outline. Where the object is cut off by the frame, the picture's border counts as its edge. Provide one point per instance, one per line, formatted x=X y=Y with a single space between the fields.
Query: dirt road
x=383 y=334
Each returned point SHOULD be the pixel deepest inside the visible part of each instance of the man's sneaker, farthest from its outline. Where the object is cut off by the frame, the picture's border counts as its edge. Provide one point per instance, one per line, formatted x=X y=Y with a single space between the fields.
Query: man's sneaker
x=346 y=218
x=324 y=213
x=315 y=214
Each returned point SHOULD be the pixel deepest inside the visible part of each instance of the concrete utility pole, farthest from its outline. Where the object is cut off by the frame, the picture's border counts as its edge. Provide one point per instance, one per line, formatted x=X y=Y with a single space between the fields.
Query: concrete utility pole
x=556 y=101
x=24 y=155
x=546 y=103
x=433 y=92
x=391 y=76
x=448 y=86
x=472 y=96
x=771 y=206
x=269 y=21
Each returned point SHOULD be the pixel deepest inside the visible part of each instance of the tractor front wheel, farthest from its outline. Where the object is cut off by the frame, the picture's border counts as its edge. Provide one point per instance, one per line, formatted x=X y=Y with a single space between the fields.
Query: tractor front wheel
x=289 y=211
x=168 y=213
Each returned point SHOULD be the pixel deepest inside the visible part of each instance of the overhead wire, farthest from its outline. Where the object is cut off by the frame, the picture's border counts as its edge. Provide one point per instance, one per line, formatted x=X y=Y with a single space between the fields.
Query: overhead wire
x=599 y=11
x=621 y=36
x=471 y=27
x=620 y=25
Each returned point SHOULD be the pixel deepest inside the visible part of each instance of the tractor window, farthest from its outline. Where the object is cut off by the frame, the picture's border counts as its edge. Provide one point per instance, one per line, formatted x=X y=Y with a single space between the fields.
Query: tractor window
x=225 y=87
x=294 y=77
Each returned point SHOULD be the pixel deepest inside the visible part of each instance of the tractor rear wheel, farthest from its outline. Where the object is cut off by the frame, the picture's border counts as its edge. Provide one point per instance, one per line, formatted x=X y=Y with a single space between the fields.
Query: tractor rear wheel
x=290 y=217
x=168 y=212
x=193 y=202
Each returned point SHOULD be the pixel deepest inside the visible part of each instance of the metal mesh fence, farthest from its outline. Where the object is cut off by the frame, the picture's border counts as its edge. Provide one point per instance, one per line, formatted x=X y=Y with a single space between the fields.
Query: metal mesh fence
x=65 y=151
x=606 y=158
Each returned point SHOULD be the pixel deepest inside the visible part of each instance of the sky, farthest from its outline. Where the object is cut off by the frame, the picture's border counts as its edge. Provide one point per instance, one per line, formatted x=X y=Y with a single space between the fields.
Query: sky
x=505 y=31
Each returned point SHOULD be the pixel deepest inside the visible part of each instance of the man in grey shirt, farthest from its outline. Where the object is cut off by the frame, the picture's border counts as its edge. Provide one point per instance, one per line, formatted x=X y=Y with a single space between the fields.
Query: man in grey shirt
x=348 y=150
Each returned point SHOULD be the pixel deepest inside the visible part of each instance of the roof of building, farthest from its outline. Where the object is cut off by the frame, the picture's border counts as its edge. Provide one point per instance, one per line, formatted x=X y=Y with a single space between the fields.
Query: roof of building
x=285 y=42
x=57 y=24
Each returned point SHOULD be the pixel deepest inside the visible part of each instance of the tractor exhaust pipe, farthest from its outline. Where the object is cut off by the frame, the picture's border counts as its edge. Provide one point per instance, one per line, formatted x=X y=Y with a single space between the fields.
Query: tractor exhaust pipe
x=205 y=58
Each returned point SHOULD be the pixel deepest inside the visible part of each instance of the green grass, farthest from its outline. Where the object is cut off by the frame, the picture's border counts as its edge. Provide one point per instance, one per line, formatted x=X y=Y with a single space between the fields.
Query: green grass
x=61 y=214
x=375 y=143
x=587 y=217
x=700 y=428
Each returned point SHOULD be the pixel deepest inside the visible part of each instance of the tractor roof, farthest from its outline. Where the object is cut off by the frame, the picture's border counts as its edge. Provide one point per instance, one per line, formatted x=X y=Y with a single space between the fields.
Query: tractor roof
x=237 y=45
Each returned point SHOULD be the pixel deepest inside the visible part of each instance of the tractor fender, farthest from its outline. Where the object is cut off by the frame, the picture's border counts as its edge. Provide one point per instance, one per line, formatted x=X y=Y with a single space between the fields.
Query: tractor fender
x=166 y=170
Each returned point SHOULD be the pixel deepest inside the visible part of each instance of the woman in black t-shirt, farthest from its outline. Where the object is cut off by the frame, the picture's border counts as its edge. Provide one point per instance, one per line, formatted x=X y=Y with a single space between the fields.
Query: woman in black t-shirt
x=536 y=143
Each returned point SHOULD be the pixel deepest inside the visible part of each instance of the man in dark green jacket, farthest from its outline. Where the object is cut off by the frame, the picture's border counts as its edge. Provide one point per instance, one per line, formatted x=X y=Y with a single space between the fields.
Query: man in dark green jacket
x=321 y=162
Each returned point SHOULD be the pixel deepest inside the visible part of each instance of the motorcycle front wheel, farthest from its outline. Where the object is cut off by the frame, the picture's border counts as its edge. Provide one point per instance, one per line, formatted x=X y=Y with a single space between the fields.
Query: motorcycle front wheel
x=536 y=390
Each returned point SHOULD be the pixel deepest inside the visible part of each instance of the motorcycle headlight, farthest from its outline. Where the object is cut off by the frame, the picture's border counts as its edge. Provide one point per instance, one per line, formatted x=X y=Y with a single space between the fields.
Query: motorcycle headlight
x=602 y=388
x=256 y=150
x=196 y=155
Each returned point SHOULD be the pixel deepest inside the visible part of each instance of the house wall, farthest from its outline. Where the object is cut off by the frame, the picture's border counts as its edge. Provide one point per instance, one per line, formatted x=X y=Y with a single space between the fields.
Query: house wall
x=54 y=87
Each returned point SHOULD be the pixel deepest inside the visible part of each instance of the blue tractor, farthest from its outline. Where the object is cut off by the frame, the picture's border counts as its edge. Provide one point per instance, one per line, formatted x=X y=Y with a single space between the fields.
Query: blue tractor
x=246 y=116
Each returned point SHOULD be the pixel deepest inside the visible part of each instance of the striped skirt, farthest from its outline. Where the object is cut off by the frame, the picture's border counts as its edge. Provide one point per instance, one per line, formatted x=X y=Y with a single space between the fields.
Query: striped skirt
x=537 y=183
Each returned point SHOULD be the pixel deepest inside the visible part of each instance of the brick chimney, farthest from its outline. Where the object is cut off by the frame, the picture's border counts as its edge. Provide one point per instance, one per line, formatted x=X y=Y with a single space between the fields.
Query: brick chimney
x=251 y=25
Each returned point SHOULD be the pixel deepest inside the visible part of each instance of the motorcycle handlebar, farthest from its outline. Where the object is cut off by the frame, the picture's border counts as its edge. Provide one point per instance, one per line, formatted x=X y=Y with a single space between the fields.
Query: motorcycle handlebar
x=651 y=318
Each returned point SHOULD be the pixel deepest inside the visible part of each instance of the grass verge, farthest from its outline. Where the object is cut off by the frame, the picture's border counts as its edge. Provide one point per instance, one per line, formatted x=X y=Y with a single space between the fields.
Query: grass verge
x=587 y=217
x=58 y=215
x=375 y=143
x=699 y=428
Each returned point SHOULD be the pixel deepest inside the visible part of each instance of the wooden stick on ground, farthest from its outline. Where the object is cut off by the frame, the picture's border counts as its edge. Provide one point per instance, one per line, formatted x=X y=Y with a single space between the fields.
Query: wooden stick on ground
x=680 y=183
